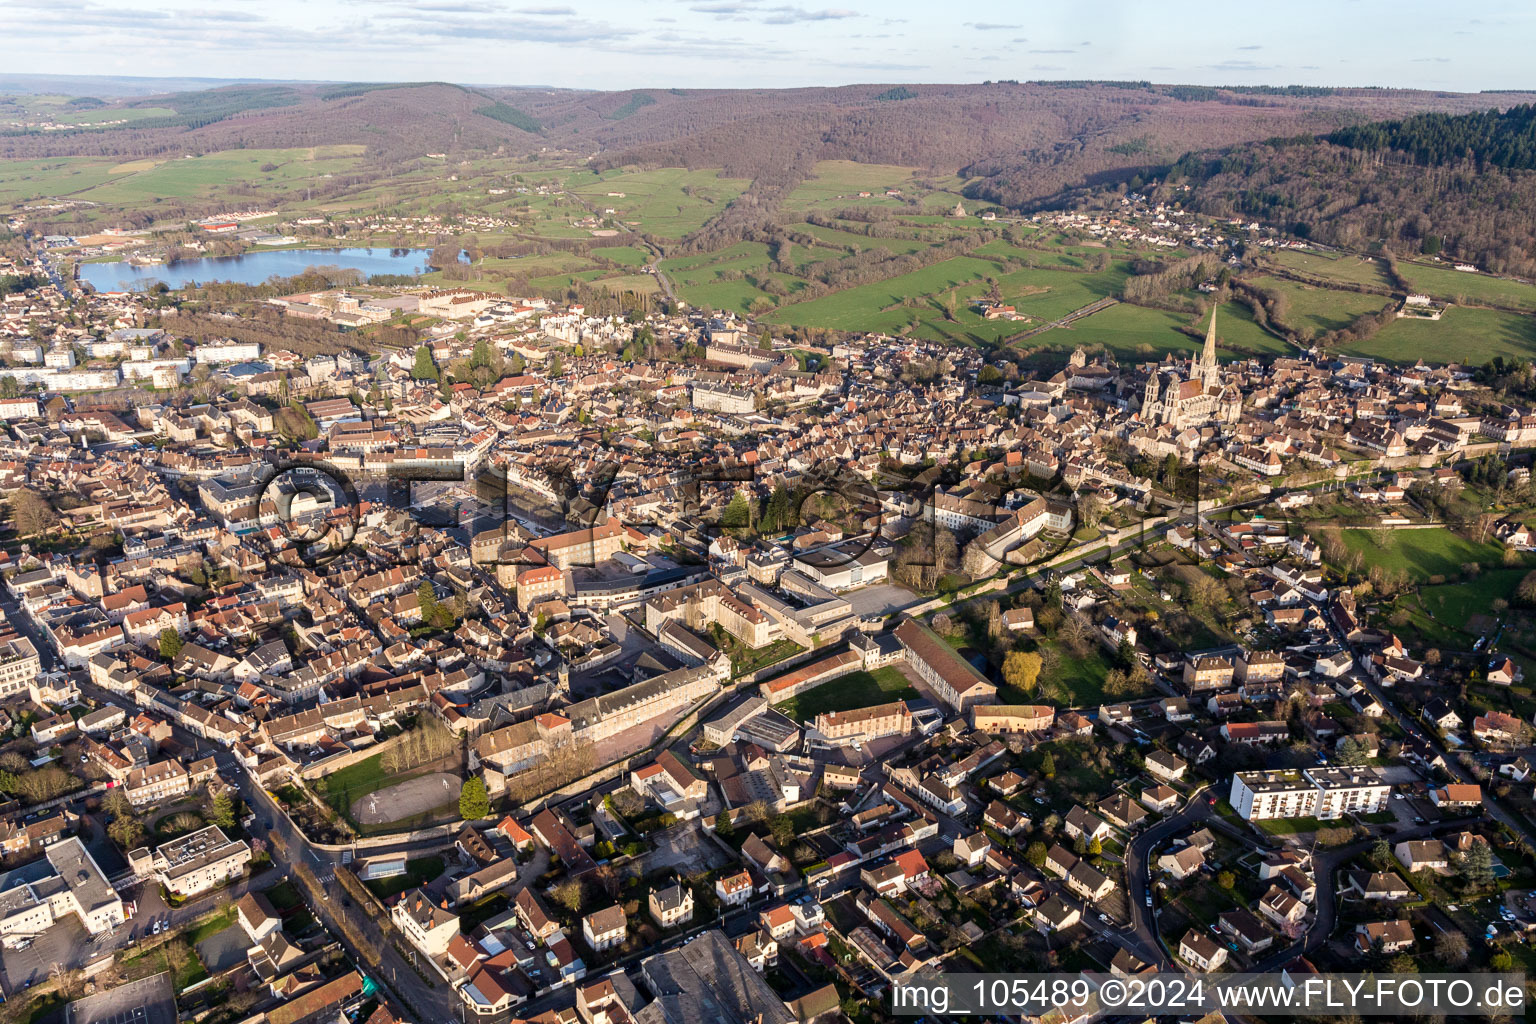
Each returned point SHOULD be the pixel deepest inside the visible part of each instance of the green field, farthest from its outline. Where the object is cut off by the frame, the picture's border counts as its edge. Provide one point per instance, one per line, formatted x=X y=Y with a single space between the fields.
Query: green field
x=1463 y=334
x=144 y=181
x=1422 y=553
x=1441 y=282
x=1322 y=309
x=1077 y=682
x=856 y=690
x=836 y=183
x=1137 y=331
x=1453 y=604
x=344 y=787
x=1360 y=270
x=629 y=255
x=668 y=202
x=857 y=241
x=878 y=306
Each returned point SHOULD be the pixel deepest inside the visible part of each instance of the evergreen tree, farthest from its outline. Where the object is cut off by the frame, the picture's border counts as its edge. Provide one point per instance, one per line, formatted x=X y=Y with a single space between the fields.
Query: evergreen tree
x=738 y=514
x=170 y=643
x=474 y=803
x=425 y=368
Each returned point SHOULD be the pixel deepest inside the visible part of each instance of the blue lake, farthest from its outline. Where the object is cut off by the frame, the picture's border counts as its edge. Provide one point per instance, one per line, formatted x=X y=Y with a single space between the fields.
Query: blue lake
x=253 y=267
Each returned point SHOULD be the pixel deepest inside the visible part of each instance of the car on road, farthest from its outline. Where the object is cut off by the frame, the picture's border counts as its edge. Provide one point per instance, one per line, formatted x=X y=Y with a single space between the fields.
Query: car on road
x=1149 y=899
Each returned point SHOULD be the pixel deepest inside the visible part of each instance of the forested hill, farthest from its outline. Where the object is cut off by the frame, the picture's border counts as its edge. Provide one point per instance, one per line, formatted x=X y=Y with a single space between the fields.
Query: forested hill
x=1464 y=185
x=1016 y=141
x=1492 y=139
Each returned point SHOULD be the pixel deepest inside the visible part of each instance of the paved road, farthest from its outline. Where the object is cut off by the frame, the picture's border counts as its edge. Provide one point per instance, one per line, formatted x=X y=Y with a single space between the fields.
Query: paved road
x=1325 y=867
x=1138 y=855
x=291 y=847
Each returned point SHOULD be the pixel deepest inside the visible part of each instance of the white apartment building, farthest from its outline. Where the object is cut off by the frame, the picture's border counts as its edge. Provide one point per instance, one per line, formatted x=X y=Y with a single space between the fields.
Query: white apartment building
x=197 y=862
x=19 y=665
x=65 y=880
x=1315 y=792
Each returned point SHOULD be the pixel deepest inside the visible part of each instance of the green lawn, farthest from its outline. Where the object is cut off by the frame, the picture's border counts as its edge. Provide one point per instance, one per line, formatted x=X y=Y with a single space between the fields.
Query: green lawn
x=1077 y=682
x=211 y=925
x=855 y=690
x=1441 y=282
x=1452 y=604
x=1462 y=334
x=342 y=788
x=1289 y=826
x=418 y=871
x=1423 y=553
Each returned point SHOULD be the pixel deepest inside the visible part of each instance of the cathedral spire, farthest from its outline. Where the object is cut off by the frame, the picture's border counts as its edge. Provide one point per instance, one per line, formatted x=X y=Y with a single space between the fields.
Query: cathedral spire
x=1209 y=371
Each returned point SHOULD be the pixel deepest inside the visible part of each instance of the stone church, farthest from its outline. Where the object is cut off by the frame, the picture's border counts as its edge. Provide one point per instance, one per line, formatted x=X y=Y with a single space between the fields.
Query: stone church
x=1189 y=398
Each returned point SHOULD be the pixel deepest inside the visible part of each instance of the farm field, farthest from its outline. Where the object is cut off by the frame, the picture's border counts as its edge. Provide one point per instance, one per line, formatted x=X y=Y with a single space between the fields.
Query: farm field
x=1458 y=286
x=1132 y=332
x=836 y=183
x=144 y=181
x=1464 y=334
x=1422 y=553
x=840 y=238
x=1322 y=309
x=1349 y=269
x=878 y=306
x=668 y=203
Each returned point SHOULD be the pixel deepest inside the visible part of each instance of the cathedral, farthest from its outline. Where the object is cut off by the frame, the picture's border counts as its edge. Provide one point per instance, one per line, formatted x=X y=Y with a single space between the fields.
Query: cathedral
x=1189 y=400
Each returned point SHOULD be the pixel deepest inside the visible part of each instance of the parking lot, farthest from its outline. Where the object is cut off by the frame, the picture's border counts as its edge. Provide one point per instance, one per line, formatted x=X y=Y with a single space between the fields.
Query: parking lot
x=147 y=1001
x=62 y=944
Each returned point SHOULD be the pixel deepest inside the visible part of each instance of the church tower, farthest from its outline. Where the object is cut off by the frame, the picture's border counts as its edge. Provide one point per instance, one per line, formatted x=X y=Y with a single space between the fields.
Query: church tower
x=1150 y=405
x=1209 y=370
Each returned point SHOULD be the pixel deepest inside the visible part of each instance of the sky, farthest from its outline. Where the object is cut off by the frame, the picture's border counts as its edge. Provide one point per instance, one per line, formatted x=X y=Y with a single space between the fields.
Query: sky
x=613 y=44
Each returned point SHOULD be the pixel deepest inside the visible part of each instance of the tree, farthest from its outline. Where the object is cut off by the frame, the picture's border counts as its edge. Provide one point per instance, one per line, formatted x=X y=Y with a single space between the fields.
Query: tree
x=425 y=368
x=1095 y=847
x=1476 y=866
x=170 y=643
x=723 y=827
x=1048 y=765
x=474 y=803
x=222 y=813
x=1226 y=880
x=1021 y=669
x=1351 y=752
x=569 y=894
x=33 y=515
x=126 y=832
x=1036 y=853
x=1451 y=948
x=738 y=514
